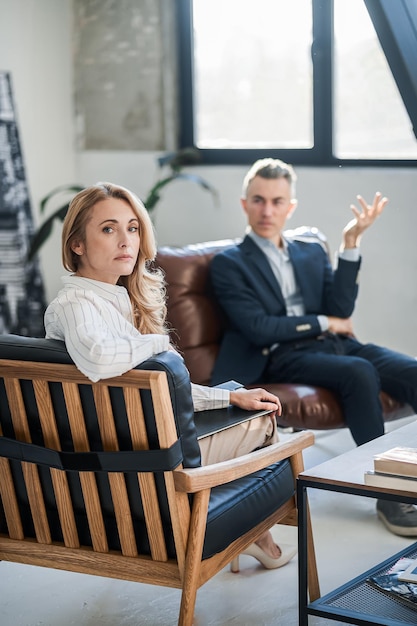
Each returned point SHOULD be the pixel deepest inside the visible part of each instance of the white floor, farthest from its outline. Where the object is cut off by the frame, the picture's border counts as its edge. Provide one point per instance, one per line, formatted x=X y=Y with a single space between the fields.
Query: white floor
x=349 y=539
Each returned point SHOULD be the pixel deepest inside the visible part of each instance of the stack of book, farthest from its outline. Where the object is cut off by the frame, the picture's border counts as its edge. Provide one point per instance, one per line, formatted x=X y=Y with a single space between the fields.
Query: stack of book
x=394 y=469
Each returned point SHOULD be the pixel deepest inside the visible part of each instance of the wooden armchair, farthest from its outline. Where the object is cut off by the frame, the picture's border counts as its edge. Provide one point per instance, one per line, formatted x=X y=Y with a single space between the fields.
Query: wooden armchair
x=105 y=478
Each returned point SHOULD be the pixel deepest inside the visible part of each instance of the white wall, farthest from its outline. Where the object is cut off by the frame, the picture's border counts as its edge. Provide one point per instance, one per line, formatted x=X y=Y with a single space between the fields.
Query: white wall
x=36 y=48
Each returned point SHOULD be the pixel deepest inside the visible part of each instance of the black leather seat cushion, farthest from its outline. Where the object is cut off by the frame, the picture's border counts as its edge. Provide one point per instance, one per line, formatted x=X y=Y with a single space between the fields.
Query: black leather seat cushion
x=238 y=506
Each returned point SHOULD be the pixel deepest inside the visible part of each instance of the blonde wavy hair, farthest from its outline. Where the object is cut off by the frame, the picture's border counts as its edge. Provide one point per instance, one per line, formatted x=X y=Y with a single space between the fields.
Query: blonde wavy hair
x=145 y=285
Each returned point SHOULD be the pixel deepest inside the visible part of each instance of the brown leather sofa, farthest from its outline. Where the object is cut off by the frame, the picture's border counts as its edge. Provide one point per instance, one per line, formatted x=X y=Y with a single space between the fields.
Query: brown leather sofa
x=197 y=325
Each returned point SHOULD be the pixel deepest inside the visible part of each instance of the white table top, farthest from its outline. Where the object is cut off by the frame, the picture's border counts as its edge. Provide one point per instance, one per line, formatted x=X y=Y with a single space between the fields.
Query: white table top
x=348 y=469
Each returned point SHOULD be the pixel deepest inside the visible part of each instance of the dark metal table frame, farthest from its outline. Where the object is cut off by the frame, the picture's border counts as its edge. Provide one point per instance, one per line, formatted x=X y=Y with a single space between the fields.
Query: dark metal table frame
x=344 y=473
x=322 y=607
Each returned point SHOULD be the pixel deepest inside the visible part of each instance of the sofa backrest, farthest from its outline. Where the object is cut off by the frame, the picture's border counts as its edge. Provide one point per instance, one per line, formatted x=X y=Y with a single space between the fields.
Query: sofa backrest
x=194 y=317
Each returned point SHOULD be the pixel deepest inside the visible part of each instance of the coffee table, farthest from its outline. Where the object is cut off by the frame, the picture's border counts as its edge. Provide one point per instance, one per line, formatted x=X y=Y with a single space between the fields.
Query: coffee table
x=355 y=602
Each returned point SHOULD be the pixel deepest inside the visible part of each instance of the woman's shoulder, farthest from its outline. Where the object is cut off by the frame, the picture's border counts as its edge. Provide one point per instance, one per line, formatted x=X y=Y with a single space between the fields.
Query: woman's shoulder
x=89 y=289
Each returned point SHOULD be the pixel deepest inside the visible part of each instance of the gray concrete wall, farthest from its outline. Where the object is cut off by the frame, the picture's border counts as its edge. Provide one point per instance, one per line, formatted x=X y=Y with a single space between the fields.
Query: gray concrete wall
x=124 y=68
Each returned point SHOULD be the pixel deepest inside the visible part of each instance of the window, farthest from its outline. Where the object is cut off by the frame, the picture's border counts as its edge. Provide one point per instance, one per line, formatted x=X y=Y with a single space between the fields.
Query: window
x=370 y=121
x=242 y=96
x=305 y=81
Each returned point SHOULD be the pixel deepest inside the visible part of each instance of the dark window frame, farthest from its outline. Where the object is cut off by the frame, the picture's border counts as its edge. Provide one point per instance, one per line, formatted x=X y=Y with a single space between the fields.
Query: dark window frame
x=389 y=22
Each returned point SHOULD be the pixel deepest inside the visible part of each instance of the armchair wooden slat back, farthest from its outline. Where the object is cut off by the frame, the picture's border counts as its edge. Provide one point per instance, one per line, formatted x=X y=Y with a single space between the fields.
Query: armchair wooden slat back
x=87 y=479
x=30 y=471
x=42 y=374
x=102 y=478
x=59 y=479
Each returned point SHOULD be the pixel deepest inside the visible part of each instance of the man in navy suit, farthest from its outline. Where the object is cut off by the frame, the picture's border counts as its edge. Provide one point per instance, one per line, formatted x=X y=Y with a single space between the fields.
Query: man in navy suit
x=289 y=314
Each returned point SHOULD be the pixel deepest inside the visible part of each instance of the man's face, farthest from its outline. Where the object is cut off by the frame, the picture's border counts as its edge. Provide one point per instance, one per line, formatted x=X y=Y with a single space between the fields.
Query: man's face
x=268 y=205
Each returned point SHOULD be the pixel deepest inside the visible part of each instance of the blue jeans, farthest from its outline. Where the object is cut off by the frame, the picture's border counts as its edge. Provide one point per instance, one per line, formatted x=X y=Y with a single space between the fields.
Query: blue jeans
x=356 y=372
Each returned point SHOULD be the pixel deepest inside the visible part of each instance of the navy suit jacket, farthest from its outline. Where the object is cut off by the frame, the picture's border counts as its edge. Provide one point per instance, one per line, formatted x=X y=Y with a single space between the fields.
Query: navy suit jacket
x=251 y=298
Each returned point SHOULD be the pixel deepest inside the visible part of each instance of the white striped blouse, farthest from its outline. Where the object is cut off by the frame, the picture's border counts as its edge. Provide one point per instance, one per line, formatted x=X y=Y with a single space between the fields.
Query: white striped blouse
x=95 y=320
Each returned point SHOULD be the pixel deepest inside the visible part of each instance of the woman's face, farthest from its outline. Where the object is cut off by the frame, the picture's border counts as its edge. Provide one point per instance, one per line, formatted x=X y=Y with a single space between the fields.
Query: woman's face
x=111 y=244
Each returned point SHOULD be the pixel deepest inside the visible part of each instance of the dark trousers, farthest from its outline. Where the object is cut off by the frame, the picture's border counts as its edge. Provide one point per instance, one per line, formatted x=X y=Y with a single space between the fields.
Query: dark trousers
x=355 y=371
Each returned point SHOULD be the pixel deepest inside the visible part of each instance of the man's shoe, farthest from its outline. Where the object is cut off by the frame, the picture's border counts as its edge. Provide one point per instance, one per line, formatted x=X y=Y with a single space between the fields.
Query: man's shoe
x=398 y=517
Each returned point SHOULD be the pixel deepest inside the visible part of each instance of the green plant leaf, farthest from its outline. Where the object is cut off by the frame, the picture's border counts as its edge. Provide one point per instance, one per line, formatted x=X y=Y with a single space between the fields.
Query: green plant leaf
x=44 y=231
x=175 y=161
x=153 y=196
x=72 y=189
x=199 y=180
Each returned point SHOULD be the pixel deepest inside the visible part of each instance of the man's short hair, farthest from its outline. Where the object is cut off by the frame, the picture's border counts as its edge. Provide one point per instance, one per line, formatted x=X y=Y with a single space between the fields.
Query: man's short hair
x=270 y=168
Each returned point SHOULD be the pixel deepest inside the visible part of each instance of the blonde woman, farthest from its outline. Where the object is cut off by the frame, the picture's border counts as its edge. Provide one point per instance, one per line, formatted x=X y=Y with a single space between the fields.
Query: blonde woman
x=111 y=314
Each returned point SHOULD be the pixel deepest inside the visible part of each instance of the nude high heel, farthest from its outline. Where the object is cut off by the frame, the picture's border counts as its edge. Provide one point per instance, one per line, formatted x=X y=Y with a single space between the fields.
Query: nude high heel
x=287 y=553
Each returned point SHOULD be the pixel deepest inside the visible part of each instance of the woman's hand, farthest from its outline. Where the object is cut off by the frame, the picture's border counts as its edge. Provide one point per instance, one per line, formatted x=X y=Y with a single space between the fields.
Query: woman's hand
x=256 y=400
